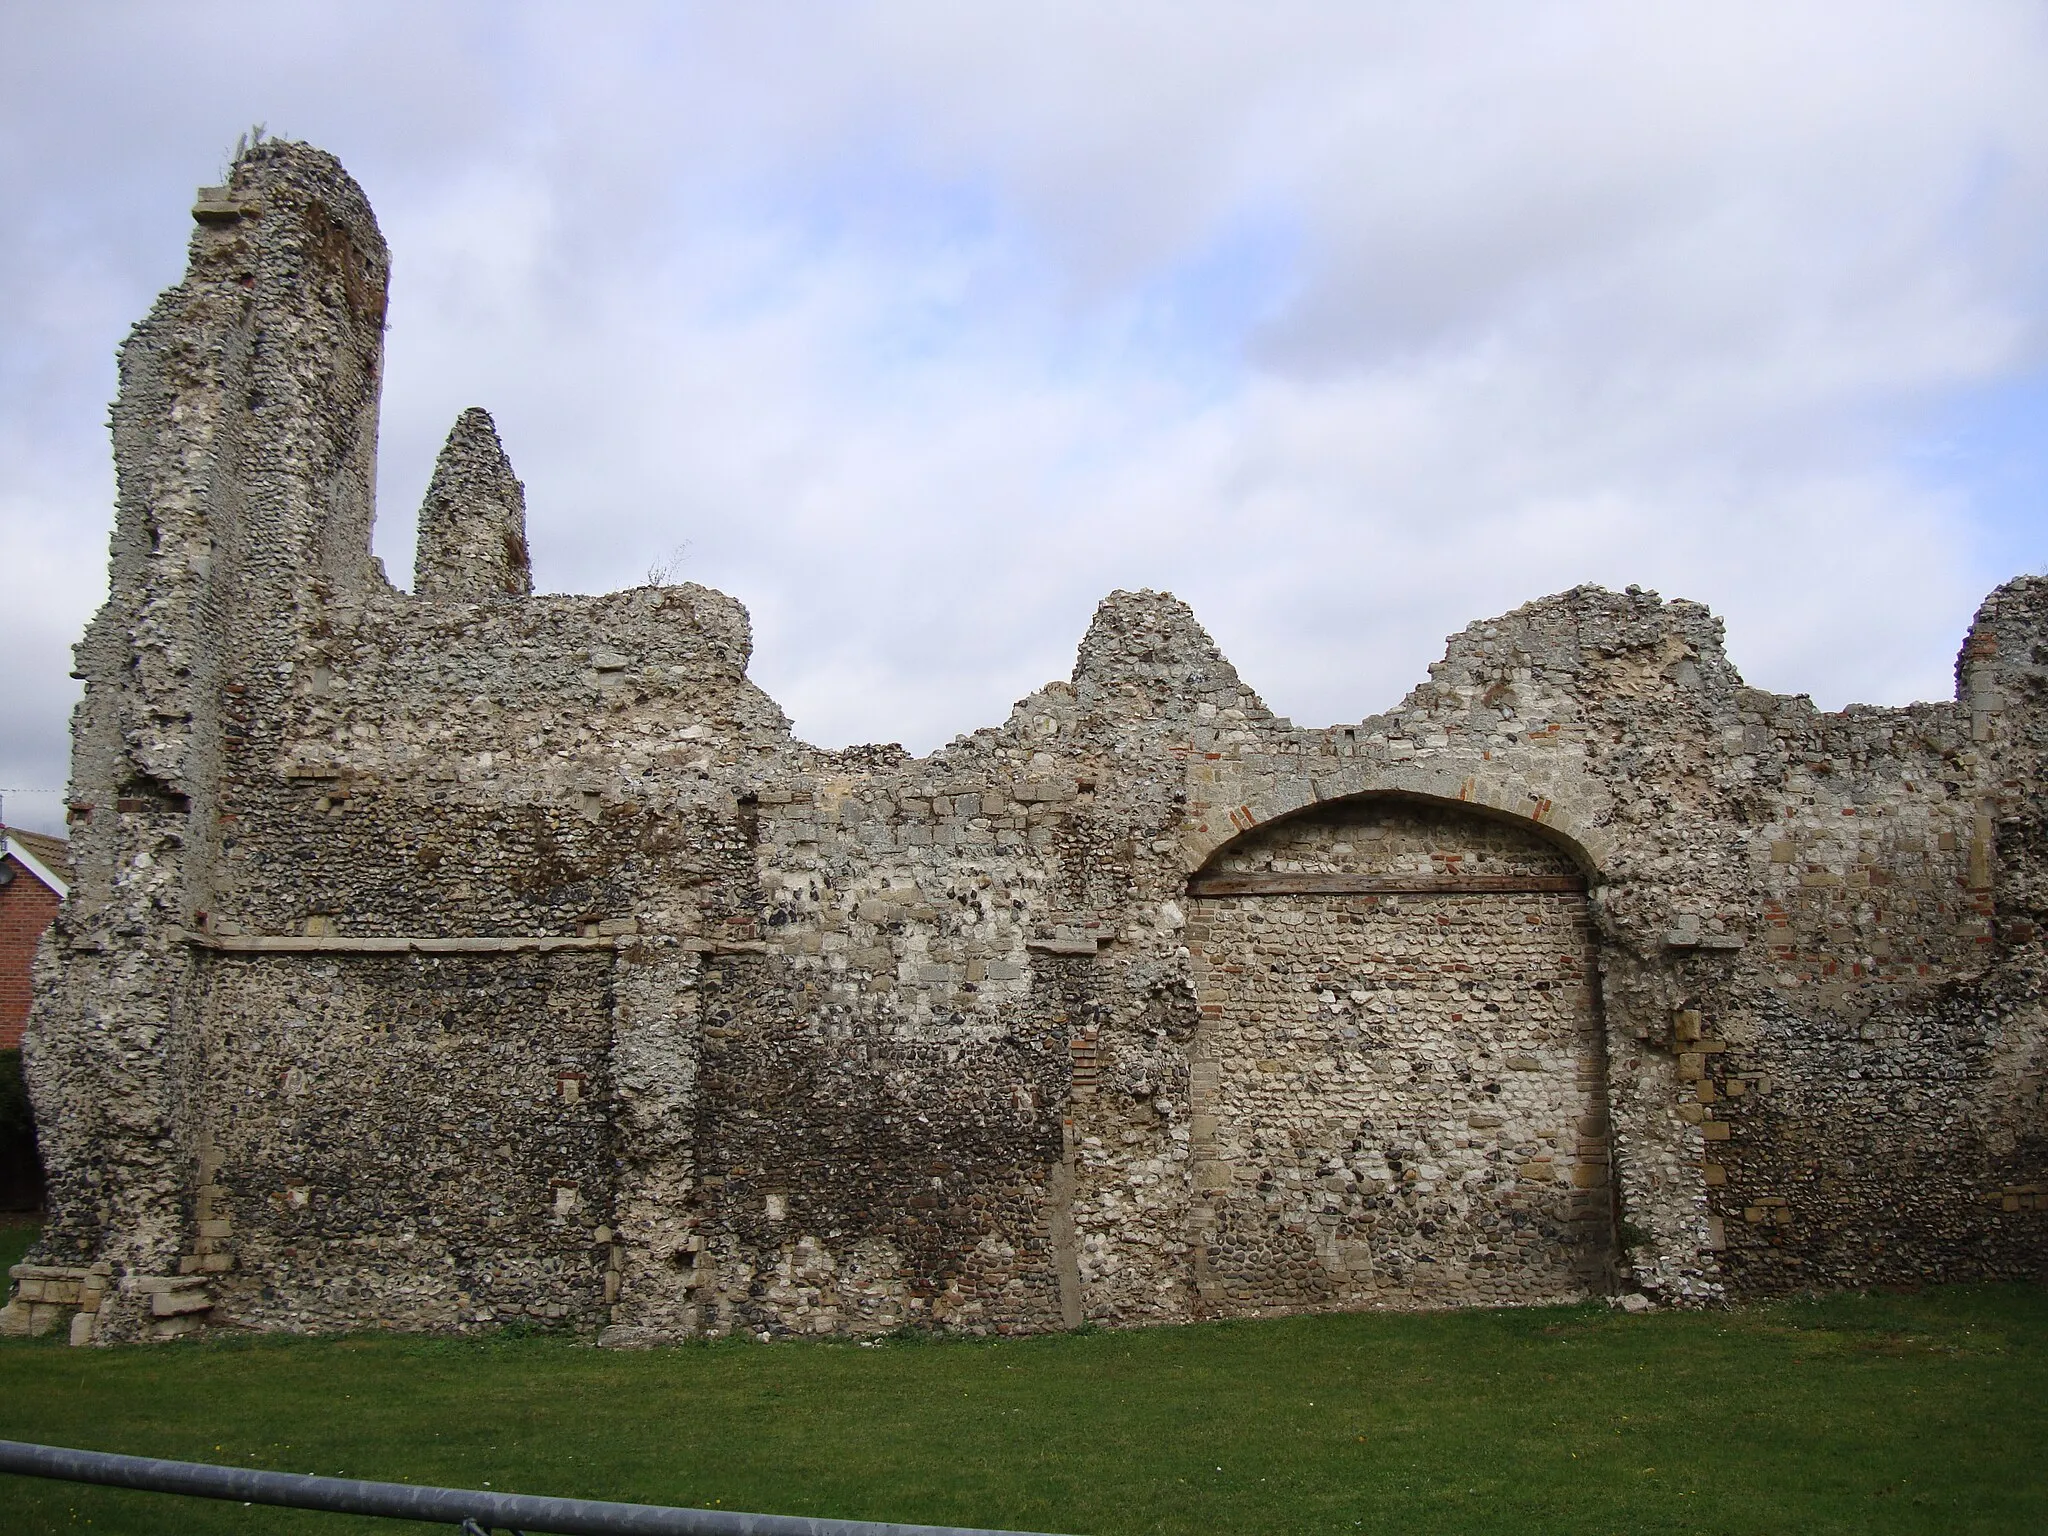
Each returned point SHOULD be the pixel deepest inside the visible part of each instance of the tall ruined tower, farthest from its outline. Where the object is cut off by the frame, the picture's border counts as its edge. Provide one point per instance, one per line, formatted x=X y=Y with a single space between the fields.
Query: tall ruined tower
x=245 y=440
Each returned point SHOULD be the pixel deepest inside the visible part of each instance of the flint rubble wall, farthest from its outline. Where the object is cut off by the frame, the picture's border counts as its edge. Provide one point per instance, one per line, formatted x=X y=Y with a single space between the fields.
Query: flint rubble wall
x=451 y=959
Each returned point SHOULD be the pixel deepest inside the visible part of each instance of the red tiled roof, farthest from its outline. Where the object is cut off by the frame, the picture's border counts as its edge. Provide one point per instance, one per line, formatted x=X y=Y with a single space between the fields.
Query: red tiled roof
x=53 y=853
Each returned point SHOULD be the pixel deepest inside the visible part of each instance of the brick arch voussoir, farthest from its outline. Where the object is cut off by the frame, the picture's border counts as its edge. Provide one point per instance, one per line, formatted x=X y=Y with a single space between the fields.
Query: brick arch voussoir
x=1555 y=812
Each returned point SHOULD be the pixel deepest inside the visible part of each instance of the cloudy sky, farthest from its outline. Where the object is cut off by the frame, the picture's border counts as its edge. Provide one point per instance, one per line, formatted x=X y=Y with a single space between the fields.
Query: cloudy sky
x=920 y=326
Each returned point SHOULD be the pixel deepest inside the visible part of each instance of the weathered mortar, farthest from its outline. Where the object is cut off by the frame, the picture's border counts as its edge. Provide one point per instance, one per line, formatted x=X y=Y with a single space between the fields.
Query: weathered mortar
x=444 y=959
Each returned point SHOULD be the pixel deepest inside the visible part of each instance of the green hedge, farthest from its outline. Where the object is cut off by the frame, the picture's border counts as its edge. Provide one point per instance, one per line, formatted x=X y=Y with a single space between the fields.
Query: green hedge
x=21 y=1169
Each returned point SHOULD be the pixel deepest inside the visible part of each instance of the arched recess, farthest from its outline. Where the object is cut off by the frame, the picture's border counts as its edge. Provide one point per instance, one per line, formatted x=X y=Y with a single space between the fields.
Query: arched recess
x=1398 y=1088
x=1559 y=812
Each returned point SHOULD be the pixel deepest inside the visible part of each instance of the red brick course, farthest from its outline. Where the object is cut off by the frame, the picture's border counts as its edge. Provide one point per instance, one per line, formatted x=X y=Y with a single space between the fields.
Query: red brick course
x=26 y=908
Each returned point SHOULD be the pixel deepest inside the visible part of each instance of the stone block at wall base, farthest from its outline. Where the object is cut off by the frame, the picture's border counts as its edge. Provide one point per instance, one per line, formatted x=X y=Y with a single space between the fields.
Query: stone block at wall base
x=180 y=1303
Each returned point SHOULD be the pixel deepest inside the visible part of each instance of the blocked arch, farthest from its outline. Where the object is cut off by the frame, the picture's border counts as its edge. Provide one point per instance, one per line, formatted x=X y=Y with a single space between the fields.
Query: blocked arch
x=1553 y=816
x=1290 y=1086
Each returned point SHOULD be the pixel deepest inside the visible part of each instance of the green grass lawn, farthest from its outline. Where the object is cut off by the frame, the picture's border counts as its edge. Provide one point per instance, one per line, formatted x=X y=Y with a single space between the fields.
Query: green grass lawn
x=1857 y=1413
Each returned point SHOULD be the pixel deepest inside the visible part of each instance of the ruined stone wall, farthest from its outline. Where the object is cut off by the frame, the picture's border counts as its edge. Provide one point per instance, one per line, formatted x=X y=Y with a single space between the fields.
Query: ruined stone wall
x=1794 y=913
x=464 y=956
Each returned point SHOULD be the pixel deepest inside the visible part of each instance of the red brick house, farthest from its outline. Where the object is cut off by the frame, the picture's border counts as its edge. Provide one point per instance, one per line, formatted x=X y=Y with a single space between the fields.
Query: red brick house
x=35 y=873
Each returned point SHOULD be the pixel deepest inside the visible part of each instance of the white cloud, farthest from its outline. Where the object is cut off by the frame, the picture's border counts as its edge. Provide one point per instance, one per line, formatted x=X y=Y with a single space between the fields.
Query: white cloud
x=927 y=324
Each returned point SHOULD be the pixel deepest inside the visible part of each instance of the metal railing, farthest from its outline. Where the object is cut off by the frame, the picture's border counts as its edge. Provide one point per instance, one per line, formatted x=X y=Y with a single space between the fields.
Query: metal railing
x=473 y=1510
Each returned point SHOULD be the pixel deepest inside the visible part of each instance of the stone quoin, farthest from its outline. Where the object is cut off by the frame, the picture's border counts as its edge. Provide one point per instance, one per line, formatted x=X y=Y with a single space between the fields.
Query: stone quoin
x=466 y=957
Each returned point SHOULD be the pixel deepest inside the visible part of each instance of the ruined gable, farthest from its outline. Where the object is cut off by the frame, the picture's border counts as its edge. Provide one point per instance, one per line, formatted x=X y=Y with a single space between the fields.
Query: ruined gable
x=467 y=956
